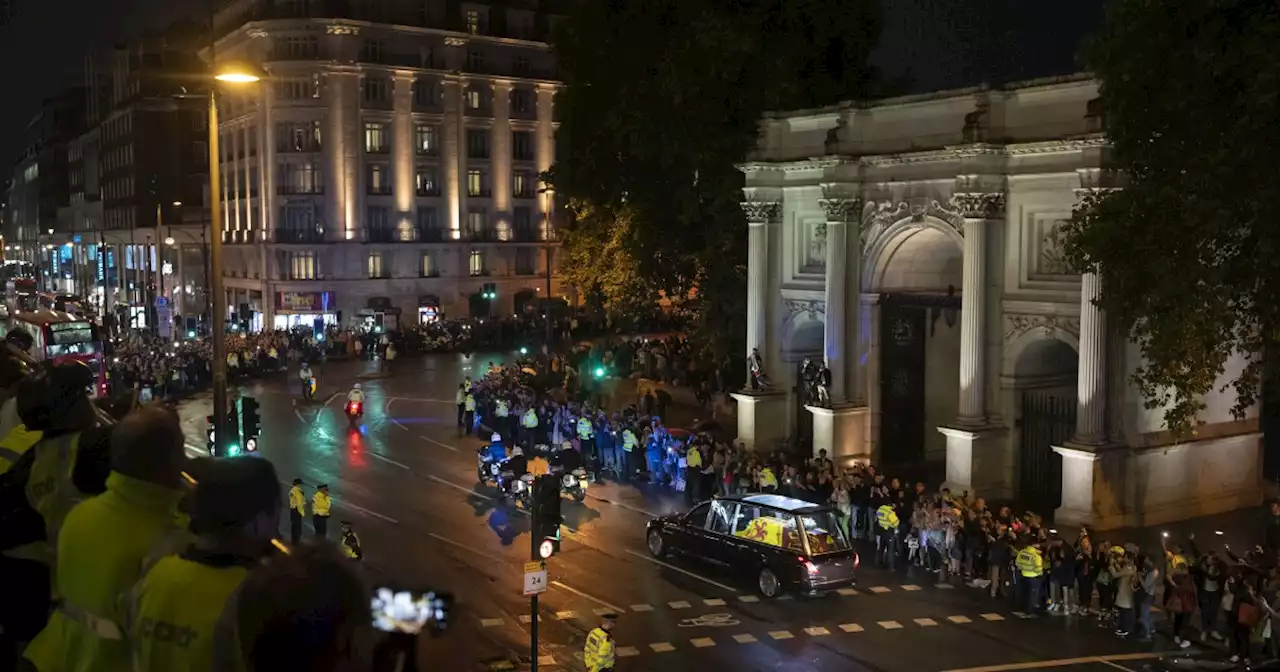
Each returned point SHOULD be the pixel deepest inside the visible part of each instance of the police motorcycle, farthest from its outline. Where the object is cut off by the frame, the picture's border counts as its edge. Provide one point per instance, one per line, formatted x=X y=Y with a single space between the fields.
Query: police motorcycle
x=518 y=488
x=308 y=383
x=355 y=406
x=567 y=466
x=489 y=459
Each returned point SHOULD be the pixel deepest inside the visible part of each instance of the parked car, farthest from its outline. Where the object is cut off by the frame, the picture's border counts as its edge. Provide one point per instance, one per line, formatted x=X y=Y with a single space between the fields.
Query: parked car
x=778 y=543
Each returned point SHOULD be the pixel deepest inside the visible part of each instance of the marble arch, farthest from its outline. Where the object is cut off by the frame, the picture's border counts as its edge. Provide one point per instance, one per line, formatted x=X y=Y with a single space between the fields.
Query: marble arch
x=905 y=237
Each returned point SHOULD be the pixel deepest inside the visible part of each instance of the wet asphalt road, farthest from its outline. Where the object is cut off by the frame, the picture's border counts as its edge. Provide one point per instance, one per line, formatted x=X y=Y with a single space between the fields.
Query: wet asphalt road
x=407 y=481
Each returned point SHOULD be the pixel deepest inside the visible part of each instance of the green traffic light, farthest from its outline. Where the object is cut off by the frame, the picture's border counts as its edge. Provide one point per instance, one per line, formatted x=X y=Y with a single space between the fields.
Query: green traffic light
x=233 y=449
x=524 y=351
x=191 y=334
x=599 y=372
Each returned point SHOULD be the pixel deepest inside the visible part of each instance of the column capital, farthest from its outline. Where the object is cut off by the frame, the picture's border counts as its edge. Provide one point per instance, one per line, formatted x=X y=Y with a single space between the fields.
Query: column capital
x=841 y=209
x=761 y=212
x=978 y=205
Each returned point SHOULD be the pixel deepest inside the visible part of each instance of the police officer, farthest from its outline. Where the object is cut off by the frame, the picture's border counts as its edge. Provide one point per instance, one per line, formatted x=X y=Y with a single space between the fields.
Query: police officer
x=502 y=415
x=350 y=542
x=768 y=482
x=469 y=412
x=320 y=510
x=887 y=528
x=235 y=511
x=297 y=510
x=460 y=397
x=598 y=653
x=529 y=427
x=629 y=445
x=104 y=541
x=1030 y=564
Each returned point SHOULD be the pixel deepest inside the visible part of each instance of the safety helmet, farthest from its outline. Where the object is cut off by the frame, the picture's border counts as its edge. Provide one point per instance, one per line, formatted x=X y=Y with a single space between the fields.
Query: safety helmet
x=566 y=445
x=517 y=452
x=496 y=437
x=356 y=386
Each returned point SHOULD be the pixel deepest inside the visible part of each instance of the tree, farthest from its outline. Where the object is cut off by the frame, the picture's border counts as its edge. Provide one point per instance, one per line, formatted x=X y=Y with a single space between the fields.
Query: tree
x=661 y=101
x=1189 y=250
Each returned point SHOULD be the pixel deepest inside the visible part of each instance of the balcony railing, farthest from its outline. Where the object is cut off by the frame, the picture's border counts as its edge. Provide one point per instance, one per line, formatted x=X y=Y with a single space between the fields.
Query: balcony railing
x=482 y=236
x=295 y=236
x=380 y=234
x=379 y=190
x=285 y=190
x=523 y=234
x=429 y=234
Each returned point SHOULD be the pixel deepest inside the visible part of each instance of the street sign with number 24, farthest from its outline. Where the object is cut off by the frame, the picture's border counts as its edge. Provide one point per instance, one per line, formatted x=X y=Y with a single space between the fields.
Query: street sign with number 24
x=535 y=578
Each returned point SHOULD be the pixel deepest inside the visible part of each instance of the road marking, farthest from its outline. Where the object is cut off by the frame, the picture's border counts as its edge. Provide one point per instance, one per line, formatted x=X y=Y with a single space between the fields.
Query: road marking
x=465 y=547
x=879 y=589
x=387 y=460
x=1020 y=614
x=679 y=604
x=780 y=634
x=601 y=611
x=851 y=627
x=890 y=625
x=375 y=514
x=959 y=619
x=683 y=571
x=847 y=592
x=432 y=401
x=525 y=618
x=610 y=608
x=744 y=639
x=618 y=504
x=817 y=631
x=331 y=398
x=702 y=642
x=748 y=598
x=491 y=622
x=430 y=440
x=1115 y=665
x=298 y=412
x=715 y=602
x=910 y=587
x=641 y=607
x=944 y=586
x=627 y=651
x=566 y=615
x=1061 y=662
x=547 y=660
x=925 y=622
x=785 y=597
x=662 y=647
x=991 y=617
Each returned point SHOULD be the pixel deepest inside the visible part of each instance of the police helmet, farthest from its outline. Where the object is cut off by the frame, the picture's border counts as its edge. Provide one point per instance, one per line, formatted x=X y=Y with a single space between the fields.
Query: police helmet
x=567 y=445
x=496 y=437
x=356 y=386
x=517 y=452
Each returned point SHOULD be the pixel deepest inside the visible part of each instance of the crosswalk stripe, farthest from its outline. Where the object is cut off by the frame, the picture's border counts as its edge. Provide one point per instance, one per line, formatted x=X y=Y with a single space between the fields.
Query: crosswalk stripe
x=641 y=607
x=879 y=589
x=851 y=627
x=847 y=592
x=702 y=642
x=566 y=615
x=817 y=631
x=889 y=625
x=525 y=618
x=944 y=586
x=714 y=602
x=744 y=639
x=547 y=660
x=1020 y=614
x=748 y=598
x=780 y=634
x=925 y=622
x=991 y=617
x=679 y=604
x=959 y=619
x=662 y=647
x=627 y=651
x=910 y=587
x=491 y=622
x=601 y=611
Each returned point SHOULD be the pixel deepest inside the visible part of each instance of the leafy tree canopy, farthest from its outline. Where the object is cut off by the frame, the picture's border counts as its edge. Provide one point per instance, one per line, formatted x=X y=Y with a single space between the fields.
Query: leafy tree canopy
x=662 y=99
x=1189 y=250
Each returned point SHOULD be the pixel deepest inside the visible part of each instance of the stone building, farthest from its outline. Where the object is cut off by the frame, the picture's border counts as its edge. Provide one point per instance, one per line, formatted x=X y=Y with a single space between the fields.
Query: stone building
x=914 y=246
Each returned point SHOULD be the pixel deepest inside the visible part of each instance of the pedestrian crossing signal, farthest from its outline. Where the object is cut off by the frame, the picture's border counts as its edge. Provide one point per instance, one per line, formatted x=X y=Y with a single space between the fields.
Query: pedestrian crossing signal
x=546 y=512
x=250 y=423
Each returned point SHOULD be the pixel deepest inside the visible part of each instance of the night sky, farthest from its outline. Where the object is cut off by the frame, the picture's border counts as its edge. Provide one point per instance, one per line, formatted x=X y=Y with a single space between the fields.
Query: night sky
x=933 y=44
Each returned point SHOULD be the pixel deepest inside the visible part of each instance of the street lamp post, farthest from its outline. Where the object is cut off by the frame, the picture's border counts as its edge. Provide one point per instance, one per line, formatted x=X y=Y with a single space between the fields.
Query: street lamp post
x=233 y=74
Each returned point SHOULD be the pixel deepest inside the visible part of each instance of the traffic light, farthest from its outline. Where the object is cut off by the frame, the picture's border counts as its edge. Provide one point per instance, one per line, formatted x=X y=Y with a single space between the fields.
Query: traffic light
x=232 y=445
x=250 y=423
x=377 y=322
x=192 y=326
x=599 y=372
x=546 y=514
x=489 y=291
x=209 y=432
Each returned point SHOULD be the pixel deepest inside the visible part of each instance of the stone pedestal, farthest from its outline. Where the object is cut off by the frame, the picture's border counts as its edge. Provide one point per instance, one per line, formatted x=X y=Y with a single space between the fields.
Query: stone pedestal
x=977 y=461
x=1108 y=487
x=762 y=420
x=842 y=431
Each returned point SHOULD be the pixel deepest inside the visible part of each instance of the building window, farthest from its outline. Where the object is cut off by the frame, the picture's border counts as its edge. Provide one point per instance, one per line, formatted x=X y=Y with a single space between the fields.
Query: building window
x=298 y=136
x=522 y=222
x=302 y=266
x=375 y=267
x=375 y=137
x=379 y=179
x=477 y=143
x=430 y=265
x=476 y=263
x=200 y=153
x=522 y=184
x=475 y=61
x=522 y=145
x=296 y=48
x=425 y=183
x=376 y=89
x=477 y=185
x=426 y=93
x=522 y=101
x=378 y=223
x=428 y=225
x=476 y=219
x=520 y=66
x=297 y=88
x=473 y=99
x=371 y=51
x=473 y=21
x=526 y=261
x=300 y=178
x=426 y=139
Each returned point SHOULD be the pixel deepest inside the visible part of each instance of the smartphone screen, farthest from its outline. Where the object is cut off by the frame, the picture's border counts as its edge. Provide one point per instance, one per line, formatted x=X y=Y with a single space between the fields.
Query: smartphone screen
x=408 y=612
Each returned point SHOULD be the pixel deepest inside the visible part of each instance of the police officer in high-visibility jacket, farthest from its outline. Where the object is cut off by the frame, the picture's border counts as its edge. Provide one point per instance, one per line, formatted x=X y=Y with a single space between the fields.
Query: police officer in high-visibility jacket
x=502 y=416
x=598 y=653
x=1030 y=564
x=768 y=482
x=460 y=398
x=297 y=511
x=585 y=430
x=469 y=413
x=104 y=542
x=528 y=427
x=180 y=616
x=15 y=444
x=350 y=542
x=629 y=445
x=320 y=510
x=887 y=528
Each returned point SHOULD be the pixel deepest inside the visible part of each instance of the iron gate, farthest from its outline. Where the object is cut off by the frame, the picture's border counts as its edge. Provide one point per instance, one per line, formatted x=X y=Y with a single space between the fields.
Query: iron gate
x=1047 y=420
x=902 y=381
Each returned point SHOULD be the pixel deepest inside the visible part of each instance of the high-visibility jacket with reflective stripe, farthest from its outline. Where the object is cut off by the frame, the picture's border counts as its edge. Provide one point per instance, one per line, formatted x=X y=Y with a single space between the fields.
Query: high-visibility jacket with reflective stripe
x=598 y=653
x=530 y=419
x=50 y=490
x=1030 y=562
x=174 y=611
x=15 y=444
x=320 y=504
x=887 y=517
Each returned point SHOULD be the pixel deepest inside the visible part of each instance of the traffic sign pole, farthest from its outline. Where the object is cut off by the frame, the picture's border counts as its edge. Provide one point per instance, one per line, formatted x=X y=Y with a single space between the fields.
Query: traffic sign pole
x=533 y=599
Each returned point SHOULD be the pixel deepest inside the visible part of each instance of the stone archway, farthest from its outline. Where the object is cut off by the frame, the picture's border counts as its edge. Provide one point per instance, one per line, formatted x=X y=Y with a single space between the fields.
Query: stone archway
x=916 y=268
x=1044 y=371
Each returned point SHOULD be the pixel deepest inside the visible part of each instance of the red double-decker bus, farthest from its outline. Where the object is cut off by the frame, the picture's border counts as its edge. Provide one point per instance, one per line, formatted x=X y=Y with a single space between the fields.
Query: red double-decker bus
x=60 y=337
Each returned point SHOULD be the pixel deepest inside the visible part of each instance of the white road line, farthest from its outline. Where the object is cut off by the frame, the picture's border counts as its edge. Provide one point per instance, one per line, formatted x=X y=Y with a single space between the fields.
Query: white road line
x=851 y=627
x=716 y=602
x=879 y=589
x=683 y=571
x=702 y=642
x=817 y=631
x=615 y=609
x=375 y=514
x=641 y=607
x=491 y=622
x=331 y=398
x=679 y=604
x=662 y=647
x=748 y=598
x=525 y=618
x=1062 y=662
x=890 y=625
x=910 y=587
x=847 y=592
x=745 y=639
x=601 y=611
x=925 y=622
x=298 y=412
x=430 y=401
x=1020 y=614
x=430 y=440
x=1116 y=665
x=960 y=619
x=627 y=651
x=944 y=586
x=465 y=547
x=566 y=615
x=780 y=634
x=387 y=460
x=547 y=660
x=991 y=617
x=195 y=451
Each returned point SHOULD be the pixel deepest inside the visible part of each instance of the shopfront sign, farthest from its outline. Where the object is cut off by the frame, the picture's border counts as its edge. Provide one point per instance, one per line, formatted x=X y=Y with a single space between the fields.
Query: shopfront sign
x=305 y=302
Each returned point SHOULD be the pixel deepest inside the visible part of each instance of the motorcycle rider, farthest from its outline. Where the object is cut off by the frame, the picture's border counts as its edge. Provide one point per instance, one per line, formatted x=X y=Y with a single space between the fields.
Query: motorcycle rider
x=564 y=459
x=305 y=374
x=494 y=451
x=355 y=396
x=517 y=464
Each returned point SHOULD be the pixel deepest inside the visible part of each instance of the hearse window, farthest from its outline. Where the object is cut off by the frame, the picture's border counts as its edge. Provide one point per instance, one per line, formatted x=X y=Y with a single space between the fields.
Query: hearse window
x=721 y=516
x=698 y=516
x=769 y=526
x=824 y=533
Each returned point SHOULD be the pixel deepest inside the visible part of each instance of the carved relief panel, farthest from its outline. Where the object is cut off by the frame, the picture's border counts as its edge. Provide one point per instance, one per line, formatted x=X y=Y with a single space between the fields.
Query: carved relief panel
x=811 y=243
x=1043 y=245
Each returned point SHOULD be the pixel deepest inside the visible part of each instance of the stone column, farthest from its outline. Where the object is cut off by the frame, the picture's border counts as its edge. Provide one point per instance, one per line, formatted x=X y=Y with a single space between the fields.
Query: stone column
x=840 y=311
x=759 y=215
x=976 y=208
x=1091 y=386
